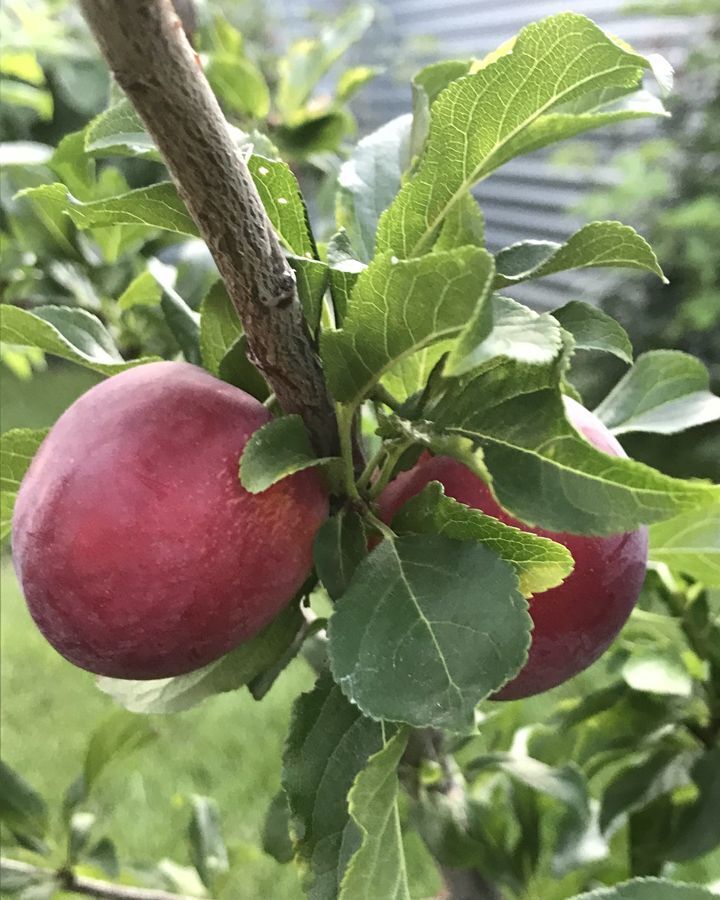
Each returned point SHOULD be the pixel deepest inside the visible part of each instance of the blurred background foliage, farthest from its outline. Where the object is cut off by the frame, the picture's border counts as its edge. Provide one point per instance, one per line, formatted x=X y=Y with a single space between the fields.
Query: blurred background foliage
x=297 y=101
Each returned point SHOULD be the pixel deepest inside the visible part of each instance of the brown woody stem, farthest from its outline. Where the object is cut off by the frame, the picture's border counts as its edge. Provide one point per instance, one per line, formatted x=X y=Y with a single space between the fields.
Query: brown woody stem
x=146 y=48
x=89 y=887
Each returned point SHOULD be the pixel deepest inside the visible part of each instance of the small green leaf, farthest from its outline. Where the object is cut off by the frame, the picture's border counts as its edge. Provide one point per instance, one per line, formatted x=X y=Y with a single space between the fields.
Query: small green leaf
x=22 y=809
x=119 y=131
x=539 y=563
x=369 y=181
x=69 y=332
x=378 y=868
x=690 y=544
x=183 y=322
x=698 y=828
x=340 y=546
x=278 y=449
x=230 y=672
x=157 y=206
x=426 y=86
x=283 y=202
x=656 y=672
x=143 y=290
x=308 y=60
x=275 y=838
x=399 y=307
x=600 y=244
x=592 y=329
x=116 y=737
x=312 y=281
x=410 y=641
x=207 y=847
x=17 y=449
x=18 y=93
x=329 y=743
x=352 y=80
x=666 y=391
x=79 y=830
x=481 y=120
x=664 y=770
x=506 y=328
x=239 y=84
x=464 y=224
x=220 y=327
x=649 y=889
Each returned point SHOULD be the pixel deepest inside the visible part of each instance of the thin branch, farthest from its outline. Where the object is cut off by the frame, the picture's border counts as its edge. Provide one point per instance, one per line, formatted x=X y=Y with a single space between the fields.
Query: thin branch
x=146 y=48
x=89 y=887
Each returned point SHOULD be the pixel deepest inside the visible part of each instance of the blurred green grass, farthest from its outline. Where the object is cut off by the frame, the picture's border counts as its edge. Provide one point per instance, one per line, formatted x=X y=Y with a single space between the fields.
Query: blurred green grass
x=229 y=747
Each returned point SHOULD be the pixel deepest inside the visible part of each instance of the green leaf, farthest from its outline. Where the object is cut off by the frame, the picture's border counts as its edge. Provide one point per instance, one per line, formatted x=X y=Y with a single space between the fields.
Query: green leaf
x=698 y=828
x=143 y=290
x=399 y=307
x=412 y=373
x=69 y=332
x=275 y=838
x=353 y=79
x=426 y=86
x=649 y=889
x=239 y=84
x=13 y=881
x=378 y=868
x=80 y=828
x=207 y=847
x=340 y=546
x=312 y=282
x=278 y=449
x=308 y=60
x=657 y=672
x=690 y=544
x=539 y=563
x=24 y=153
x=116 y=737
x=543 y=471
x=223 y=347
x=664 y=770
x=600 y=244
x=464 y=224
x=157 y=206
x=666 y=391
x=22 y=809
x=183 y=322
x=281 y=197
x=329 y=743
x=119 y=131
x=220 y=327
x=369 y=181
x=410 y=641
x=230 y=672
x=509 y=329
x=17 y=449
x=481 y=120
x=592 y=329
x=17 y=93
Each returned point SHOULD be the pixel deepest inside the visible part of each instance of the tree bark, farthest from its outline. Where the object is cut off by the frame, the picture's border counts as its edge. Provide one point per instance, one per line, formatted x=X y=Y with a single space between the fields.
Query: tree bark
x=146 y=48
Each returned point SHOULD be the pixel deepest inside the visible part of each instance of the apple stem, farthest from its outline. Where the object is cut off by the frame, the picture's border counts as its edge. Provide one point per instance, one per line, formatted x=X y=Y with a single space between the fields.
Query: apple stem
x=146 y=48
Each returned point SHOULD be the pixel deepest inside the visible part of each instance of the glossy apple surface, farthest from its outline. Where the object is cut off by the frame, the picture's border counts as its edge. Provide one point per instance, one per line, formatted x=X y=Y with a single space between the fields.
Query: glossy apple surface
x=139 y=552
x=575 y=622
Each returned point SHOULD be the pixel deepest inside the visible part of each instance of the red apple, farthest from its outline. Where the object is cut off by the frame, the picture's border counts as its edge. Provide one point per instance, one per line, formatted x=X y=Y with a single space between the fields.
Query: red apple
x=139 y=552
x=575 y=622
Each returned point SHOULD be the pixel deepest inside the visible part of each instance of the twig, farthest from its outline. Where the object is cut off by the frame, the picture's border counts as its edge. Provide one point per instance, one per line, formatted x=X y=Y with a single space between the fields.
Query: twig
x=89 y=887
x=146 y=48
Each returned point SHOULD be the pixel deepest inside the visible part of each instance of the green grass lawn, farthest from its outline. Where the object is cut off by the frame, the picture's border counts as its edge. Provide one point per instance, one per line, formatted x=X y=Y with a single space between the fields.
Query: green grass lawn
x=229 y=747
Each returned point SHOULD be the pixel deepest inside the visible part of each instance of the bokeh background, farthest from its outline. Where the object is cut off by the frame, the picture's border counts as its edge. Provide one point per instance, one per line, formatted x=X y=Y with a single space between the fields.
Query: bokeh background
x=662 y=177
